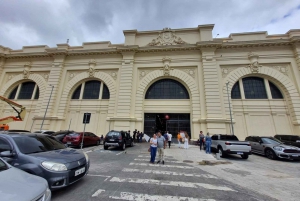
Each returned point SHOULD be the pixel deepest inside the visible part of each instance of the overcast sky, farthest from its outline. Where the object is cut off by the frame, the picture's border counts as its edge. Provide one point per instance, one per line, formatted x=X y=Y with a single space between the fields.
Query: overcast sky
x=51 y=22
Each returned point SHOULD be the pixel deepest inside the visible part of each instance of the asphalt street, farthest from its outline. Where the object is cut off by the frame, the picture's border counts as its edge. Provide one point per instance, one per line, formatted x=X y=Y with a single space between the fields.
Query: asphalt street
x=128 y=175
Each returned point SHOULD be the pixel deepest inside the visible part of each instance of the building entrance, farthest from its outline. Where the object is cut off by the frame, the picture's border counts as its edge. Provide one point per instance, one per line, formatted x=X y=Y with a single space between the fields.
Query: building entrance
x=167 y=122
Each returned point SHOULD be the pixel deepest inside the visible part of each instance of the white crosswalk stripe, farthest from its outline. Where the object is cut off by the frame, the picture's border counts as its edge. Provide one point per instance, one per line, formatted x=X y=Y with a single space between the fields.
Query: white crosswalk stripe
x=146 y=197
x=170 y=183
x=158 y=165
x=166 y=161
x=169 y=173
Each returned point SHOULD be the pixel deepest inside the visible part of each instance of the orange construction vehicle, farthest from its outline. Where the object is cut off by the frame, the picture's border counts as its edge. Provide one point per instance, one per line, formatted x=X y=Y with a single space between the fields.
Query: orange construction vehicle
x=20 y=117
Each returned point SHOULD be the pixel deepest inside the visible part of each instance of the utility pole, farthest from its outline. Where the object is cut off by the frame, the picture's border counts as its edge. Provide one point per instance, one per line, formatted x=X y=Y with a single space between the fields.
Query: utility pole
x=231 y=128
x=47 y=107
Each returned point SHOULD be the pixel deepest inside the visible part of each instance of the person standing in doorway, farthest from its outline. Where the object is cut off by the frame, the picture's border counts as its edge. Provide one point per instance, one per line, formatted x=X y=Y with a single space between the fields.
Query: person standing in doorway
x=161 y=145
x=186 y=140
x=201 y=140
x=153 y=148
x=179 y=139
x=208 y=143
x=169 y=139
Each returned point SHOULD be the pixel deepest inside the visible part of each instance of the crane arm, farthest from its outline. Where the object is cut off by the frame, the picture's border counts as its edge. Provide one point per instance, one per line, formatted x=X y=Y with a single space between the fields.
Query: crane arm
x=21 y=113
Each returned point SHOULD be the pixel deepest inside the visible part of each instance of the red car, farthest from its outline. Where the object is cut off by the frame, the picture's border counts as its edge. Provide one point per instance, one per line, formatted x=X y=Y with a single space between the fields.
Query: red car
x=74 y=139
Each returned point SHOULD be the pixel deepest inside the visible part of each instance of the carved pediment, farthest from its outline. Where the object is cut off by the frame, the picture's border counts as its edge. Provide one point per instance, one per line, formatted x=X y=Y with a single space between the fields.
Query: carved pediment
x=166 y=37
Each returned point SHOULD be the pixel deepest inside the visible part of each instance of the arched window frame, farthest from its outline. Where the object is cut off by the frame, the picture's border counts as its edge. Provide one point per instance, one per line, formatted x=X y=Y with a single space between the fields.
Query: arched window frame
x=19 y=87
x=82 y=85
x=267 y=88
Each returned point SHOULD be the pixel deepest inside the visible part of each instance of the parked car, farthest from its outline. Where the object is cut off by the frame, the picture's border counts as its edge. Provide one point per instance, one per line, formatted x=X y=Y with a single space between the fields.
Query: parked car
x=44 y=156
x=19 y=185
x=230 y=144
x=273 y=148
x=46 y=132
x=119 y=139
x=60 y=135
x=293 y=140
x=74 y=139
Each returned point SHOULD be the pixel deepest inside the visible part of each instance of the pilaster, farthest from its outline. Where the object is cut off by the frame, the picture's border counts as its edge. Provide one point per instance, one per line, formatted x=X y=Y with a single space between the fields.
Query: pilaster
x=214 y=119
x=2 y=62
x=296 y=48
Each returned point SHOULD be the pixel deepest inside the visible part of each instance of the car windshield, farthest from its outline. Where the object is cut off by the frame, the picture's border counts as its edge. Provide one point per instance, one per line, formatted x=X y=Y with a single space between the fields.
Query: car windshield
x=36 y=144
x=270 y=140
x=74 y=134
x=3 y=166
x=61 y=133
x=295 y=138
x=113 y=134
x=37 y=131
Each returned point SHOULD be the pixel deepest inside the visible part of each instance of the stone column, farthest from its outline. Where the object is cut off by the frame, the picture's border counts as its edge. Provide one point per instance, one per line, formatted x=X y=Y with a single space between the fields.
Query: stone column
x=214 y=111
x=123 y=118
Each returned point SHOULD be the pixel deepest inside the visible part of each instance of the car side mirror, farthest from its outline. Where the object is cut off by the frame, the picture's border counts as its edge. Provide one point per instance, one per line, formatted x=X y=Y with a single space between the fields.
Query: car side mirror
x=6 y=154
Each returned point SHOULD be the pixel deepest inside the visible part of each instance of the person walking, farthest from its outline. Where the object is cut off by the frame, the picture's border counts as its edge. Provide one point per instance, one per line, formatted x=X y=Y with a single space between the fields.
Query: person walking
x=169 y=139
x=179 y=139
x=201 y=140
x=208 y=143
x=161 y=145
x=153 y=148
x=186 y=140
x=134 y=134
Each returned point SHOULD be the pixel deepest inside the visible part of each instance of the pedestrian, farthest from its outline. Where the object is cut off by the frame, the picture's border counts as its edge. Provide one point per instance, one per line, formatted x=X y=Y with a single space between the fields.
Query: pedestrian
x=101 y=139
x=134 y=134
x=169 y=139
x=138 y=136
x=186 y=140
x=141 y=137
x=179 y=139
x=166 y=136
x=161 y=145
x=153 y=148
x=201 y=140
x=208 y=143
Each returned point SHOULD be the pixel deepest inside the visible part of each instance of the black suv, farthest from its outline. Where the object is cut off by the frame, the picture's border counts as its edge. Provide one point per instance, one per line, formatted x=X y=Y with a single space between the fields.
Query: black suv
x=119 y=139
x=293 y=140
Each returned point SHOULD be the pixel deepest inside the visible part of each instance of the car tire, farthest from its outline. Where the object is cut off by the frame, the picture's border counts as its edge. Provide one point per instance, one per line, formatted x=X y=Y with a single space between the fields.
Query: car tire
x=105 y=147
x=270 y=154
x=245 y=156
x=221 y=152
x=98 y=143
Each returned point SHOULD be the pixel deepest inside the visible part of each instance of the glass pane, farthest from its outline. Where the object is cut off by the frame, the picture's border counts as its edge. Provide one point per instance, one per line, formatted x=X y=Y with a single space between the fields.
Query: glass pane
x=235 y=92
x=91 y=90
x=26 y=90
x=76 y=93
x=37 y=93
x=12 y=95
x=254 y=88
x=276 y=94
x=167 y=89
x=105 y=93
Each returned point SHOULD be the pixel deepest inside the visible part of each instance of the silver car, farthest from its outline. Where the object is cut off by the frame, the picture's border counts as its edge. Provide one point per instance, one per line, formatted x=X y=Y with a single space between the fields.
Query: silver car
x=19 y=185
x=273 y=148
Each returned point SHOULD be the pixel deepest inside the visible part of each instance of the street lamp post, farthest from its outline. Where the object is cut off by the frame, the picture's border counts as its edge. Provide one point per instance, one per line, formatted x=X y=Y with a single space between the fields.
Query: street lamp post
x=47 y=106
x=231 y=128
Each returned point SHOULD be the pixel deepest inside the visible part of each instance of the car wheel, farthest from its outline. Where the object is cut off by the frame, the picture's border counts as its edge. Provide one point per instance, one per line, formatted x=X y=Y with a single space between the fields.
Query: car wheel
x=105 y=147
x=270 y=154
x=221 y=152
x=245 y=156
x=98 y=142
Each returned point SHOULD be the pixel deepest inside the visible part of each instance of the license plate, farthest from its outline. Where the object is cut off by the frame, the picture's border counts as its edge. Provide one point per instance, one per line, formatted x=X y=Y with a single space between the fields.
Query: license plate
x=295 y=155
x=69 y=142
x=79 y=171
x=111 y=140
x=239 y=153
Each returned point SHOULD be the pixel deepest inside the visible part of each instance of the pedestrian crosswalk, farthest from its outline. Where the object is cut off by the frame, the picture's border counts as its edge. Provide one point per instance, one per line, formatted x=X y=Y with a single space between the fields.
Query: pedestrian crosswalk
x=173 y=181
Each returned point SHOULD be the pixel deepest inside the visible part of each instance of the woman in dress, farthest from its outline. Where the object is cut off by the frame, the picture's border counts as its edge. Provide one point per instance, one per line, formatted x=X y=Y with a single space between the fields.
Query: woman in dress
x=153 y=148
x=186 y=140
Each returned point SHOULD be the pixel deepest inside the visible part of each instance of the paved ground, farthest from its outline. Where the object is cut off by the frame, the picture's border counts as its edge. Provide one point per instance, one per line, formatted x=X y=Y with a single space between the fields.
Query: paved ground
x=118 y=175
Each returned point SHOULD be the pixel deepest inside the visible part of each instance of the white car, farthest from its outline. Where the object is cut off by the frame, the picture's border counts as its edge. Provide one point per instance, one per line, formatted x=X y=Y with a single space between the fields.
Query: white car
x=48 y=132
x=19 y=185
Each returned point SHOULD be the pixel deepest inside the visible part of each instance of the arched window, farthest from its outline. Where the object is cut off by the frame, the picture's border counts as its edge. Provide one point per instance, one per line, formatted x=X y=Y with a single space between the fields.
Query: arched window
x=255 y=88
x=91 y=90
x=25 y=90
x=235 y=93
x=167 y=89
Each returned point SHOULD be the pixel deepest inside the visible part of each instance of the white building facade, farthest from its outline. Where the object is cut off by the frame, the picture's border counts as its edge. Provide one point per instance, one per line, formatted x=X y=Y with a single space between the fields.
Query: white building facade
x=171 y=79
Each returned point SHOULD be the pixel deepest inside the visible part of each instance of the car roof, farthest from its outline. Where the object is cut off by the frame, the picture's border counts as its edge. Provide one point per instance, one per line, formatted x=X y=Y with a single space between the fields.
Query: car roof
x=17 y=134
x=260 y=136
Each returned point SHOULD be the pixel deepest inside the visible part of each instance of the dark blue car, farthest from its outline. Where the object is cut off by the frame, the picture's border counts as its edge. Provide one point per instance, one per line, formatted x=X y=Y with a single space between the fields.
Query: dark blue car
x=44 y=156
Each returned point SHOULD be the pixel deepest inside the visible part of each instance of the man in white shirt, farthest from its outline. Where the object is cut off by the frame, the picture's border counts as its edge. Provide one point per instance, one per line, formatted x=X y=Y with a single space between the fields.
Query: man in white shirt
x=169 y=139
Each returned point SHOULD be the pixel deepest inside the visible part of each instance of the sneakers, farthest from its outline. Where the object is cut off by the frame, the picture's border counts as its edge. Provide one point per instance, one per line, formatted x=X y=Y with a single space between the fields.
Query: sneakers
x=158 y=162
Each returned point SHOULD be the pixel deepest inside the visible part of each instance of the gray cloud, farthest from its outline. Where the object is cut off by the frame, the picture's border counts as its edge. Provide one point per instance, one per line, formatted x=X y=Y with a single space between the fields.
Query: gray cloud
x=50 y=22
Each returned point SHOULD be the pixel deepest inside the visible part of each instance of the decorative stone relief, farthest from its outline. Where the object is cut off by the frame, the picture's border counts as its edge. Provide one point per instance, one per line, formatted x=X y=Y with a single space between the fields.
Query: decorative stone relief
x=26 y=71
x=92 y=64
x=283 y=69
x=46 y=76
x=143 y=73
x=227 y=70
x=113 y=74
x=166 y=37
x=72 y=75
x=166 y=66
x=254 y=64
x=190 y=72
